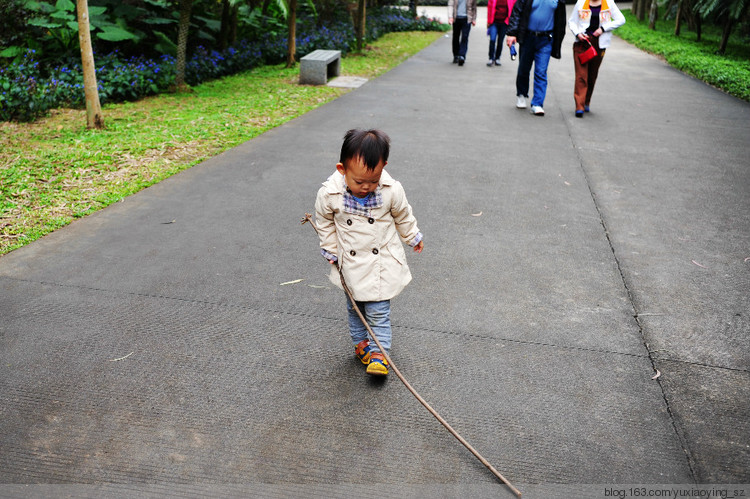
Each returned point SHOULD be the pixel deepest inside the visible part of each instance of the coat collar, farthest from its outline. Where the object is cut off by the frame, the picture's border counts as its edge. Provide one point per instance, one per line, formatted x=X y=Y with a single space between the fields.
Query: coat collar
x=604 y=5
x=336 y=185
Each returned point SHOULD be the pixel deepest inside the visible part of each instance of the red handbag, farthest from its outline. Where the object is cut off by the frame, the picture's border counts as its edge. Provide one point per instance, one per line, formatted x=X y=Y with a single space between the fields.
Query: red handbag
x=588 y=54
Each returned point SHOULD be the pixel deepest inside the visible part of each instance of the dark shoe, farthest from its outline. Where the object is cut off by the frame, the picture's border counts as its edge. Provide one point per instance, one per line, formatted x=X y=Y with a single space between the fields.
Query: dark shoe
x=490 y=63
x=497 y=62
x=586 y=108
x=455 y=59
x=579 y=113
x=461 y=61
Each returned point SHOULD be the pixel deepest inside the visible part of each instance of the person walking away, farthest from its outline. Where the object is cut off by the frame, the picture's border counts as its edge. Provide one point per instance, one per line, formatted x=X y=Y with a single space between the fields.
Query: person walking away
x=462 y=14
x=539 y=27
x=362 y=217
x=592 y=23
x=498 y=14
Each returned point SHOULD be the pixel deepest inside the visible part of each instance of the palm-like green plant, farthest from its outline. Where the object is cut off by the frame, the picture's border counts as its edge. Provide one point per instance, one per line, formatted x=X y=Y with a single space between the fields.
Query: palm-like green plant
x=727 y=12
x=59 y=25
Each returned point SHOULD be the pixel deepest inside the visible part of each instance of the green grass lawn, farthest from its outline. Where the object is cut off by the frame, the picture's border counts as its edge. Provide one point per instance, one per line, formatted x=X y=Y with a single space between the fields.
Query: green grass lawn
x=55 y=170
x=730 y=72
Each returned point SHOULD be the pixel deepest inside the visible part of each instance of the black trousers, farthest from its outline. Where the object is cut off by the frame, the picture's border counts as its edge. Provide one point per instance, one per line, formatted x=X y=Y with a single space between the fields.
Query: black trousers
x=461 y=29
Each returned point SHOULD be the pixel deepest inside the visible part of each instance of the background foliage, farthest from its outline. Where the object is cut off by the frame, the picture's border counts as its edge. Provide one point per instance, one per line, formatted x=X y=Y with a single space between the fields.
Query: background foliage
x=697 y=57
x=40 y=65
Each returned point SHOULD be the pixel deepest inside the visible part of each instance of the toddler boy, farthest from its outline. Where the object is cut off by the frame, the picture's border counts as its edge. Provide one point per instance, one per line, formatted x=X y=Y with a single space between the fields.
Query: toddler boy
x=362 y=216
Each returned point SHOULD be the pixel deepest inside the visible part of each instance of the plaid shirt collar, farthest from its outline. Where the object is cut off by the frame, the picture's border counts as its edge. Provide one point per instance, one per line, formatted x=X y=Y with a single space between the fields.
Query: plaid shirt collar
x=337 y=185
x=351 y=205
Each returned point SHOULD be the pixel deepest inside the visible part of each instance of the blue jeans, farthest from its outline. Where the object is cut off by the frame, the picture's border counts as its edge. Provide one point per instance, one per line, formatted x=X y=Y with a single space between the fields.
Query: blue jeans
x=378 y=315
x=536 y=50
x=497 y=33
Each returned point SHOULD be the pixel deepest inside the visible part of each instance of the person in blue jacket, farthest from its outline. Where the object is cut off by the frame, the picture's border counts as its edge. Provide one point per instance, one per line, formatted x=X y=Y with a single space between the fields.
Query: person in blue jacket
x=539 y=27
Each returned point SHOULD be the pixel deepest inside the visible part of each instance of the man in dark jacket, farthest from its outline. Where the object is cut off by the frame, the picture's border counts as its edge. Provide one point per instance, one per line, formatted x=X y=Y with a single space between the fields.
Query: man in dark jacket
x=539 y=27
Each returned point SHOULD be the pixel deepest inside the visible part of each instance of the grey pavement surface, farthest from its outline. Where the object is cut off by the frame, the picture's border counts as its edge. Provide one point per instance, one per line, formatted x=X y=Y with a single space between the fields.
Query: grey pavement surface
x=607 y=248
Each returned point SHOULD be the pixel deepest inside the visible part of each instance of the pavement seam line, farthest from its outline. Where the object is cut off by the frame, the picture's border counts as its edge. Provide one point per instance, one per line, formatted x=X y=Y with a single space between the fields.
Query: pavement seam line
x=636 y=317
x=407 y=327
x=286 y=312
x=522 y=342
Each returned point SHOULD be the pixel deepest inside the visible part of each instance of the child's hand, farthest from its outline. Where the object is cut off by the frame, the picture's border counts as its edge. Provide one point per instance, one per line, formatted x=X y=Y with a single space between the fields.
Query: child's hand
x=419 y=247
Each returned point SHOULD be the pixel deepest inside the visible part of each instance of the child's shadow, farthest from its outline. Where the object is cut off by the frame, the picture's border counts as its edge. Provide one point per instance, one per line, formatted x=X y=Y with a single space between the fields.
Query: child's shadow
x=372 y=381
x=376 y=381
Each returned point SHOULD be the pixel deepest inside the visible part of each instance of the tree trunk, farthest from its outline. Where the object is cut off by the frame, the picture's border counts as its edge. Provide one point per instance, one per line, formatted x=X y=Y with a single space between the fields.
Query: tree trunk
x=226 y=21
x=292 y=40
x=678 y=18
x=94 y=118
x=233 y=25
x=636 y=10
x=413 y=8
x=182 y=35
x=653 y=13
x=361 y=19
x=725 y=34
x=642 y=9
x=698 y=27
x=228 y=29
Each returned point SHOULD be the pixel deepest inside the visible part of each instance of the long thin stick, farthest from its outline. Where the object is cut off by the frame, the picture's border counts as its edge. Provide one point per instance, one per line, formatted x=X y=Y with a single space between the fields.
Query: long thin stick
x=308 y=218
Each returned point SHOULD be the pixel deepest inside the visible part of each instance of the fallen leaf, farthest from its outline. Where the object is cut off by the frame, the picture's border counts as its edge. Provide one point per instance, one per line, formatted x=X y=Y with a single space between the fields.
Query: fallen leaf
x=476 y=214
x=121 y=358
x=291 y=282
x=658 y=373
x=698 y=264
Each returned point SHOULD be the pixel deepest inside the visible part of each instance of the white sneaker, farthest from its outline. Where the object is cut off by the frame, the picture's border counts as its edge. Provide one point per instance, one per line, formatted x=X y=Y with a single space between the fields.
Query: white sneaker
x=490 y=63
x=521 y=102
x=537 y=110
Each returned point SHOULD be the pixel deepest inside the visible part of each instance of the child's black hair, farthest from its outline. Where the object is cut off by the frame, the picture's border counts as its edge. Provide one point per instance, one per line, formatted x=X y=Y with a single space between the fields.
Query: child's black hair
x=372 y=146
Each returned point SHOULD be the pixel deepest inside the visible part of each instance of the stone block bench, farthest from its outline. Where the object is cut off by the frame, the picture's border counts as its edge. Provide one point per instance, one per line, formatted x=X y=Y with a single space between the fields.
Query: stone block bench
x=317 y=66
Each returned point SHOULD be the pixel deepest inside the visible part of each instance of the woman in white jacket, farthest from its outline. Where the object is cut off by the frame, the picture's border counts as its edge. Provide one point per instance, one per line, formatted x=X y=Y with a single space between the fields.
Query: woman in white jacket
x=592 y=23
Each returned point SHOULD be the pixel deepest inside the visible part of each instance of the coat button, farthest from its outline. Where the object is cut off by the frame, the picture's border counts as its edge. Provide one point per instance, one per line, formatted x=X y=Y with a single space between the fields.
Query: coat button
x=371 y=220
x=352 y=252
x=374 y=251
x=349 y=221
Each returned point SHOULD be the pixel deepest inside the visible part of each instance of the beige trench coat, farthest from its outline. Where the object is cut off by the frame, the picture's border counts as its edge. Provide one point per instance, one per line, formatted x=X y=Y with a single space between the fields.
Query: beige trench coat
x=368 y=248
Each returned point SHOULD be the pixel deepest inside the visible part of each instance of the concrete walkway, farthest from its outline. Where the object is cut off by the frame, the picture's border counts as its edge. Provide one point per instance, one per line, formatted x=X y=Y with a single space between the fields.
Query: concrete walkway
x=567 y=263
